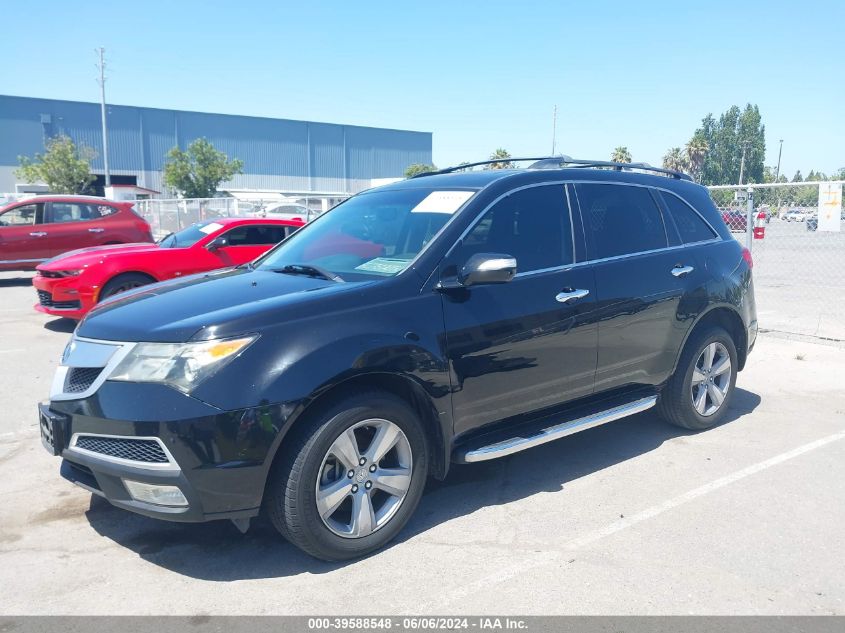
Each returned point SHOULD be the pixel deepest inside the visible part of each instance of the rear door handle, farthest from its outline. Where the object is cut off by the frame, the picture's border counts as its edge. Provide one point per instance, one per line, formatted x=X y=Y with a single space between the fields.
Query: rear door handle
x=96 y=230
x=571 y=295
x=38 y=233
x=681 y=271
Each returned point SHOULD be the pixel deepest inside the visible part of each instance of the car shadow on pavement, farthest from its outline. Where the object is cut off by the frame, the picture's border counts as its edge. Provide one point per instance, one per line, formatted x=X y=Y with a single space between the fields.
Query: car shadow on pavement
x=11 y=282
x=61 y=324
x=216 y=551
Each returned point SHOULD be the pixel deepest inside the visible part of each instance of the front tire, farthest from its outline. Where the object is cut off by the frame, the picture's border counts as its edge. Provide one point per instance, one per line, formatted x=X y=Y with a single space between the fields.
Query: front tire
x=351 y=478
x=698 y=394
x=122 y=283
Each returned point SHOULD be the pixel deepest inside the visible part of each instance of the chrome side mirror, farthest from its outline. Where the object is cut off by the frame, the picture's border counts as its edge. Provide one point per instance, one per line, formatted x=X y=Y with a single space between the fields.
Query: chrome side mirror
x=487 y=268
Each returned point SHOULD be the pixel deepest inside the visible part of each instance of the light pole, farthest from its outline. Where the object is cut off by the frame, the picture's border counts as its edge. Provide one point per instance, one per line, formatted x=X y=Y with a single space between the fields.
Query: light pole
x=780 y=151
x=554 y=129
x=102 y=66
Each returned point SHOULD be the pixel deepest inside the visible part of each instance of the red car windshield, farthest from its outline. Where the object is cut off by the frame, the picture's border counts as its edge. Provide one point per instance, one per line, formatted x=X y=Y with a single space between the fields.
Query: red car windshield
x=189 y=236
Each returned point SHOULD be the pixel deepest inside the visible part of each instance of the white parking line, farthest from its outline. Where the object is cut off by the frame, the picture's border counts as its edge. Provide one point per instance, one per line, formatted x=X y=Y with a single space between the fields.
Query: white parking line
x=653 y=511
x=11 y=351
x=553 y=557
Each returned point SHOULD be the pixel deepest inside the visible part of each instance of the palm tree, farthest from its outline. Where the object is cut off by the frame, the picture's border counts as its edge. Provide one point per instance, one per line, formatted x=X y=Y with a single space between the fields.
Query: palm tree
x=696 y=149
x=621 y=155
x=500 y=153
x=675 y=160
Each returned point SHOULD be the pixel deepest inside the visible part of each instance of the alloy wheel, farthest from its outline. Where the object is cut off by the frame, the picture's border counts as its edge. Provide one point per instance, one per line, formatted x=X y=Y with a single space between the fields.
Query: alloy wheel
x=711 y=379
x=364 y=478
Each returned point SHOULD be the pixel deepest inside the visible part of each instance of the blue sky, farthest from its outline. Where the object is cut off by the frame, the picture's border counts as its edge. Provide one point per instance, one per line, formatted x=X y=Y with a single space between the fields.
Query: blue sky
x=479 y=75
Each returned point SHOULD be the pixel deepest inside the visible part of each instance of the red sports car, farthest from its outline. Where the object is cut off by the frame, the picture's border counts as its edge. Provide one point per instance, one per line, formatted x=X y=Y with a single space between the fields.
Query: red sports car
x=71 y=284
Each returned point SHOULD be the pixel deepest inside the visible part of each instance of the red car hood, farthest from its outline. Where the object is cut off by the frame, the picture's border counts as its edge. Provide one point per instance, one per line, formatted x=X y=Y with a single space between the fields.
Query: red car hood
x=85 y=256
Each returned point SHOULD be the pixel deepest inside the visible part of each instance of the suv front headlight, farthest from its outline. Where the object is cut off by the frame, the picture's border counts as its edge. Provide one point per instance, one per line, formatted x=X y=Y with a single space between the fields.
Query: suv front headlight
x=180 y=365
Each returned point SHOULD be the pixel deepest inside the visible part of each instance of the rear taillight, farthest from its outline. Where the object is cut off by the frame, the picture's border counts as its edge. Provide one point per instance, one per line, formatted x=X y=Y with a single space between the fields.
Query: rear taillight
x=746 y=255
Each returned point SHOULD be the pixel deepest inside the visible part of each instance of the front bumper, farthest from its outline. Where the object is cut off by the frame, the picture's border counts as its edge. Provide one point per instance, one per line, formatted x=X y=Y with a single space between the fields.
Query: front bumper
x=63 y=296
x=219 y=460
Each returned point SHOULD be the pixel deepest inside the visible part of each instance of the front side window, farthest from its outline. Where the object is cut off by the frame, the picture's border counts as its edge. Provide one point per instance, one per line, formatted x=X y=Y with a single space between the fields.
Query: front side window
x=620 y=219
x=375 y=234
x=255 y=235
x=20 y=216
x=531 y=225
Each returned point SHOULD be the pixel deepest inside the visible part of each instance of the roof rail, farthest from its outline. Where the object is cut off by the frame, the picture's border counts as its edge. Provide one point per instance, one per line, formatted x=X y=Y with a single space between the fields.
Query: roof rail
x=492 y=161
x=559 y=162
x=69 y=195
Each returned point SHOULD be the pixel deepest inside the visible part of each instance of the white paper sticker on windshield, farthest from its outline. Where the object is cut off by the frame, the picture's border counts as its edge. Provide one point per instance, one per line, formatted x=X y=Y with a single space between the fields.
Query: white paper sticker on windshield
x=210 y=228
x=442 y=202
x=383 y=265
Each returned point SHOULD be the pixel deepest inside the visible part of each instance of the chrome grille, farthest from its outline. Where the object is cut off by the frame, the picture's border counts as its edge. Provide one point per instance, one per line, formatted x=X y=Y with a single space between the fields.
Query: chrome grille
x=80 y=378
x=132 y=449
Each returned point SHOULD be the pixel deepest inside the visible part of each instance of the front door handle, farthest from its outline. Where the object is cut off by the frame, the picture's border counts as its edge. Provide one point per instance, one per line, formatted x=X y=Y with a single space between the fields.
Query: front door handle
x=38 y=233
x=681 y=271
x=571 y=295
x=96 y=230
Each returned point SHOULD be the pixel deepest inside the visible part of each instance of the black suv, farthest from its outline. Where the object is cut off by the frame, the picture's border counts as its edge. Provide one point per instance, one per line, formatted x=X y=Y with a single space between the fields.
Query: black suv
x=459 y=316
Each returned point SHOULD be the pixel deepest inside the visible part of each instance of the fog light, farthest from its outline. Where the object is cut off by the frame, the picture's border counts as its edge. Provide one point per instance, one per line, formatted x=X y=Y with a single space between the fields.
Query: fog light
x=153 y=493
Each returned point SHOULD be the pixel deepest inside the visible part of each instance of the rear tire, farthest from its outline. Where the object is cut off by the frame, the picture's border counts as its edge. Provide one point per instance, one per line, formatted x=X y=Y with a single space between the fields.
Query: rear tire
x=698 y=394
x=314 y=502
x=124 y=282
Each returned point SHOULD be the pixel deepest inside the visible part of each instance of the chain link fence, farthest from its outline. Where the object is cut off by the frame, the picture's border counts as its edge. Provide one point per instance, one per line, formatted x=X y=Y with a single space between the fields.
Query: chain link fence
x=172 y=215
x=796 y=235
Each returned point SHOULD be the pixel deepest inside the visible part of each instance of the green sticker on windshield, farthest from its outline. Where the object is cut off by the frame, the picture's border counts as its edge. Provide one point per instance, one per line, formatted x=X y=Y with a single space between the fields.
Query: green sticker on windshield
x=383 y=265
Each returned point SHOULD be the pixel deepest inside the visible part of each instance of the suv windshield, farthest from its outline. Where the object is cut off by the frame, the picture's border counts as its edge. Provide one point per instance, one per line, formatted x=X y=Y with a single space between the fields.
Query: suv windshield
x=190 y=235
x=376 y=234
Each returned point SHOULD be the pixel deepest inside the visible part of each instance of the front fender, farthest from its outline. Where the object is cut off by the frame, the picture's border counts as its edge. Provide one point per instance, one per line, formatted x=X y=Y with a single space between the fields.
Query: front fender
x=296 y=360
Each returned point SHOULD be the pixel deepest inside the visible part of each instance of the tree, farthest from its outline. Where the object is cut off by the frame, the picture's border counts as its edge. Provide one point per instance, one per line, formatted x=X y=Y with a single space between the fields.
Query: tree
x=675 y=160
x=500 y=153
x=198 y=172
x=798 y=177
x=418 y=168
x=696 y=150
x=735 y=132
x=620 y=155
x=64 y=167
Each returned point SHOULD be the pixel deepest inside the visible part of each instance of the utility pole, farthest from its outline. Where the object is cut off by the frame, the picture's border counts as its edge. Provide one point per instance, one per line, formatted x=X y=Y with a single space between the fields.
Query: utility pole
x=554 y=129
x=742 y=162
x=780 y=151
x=102 y=66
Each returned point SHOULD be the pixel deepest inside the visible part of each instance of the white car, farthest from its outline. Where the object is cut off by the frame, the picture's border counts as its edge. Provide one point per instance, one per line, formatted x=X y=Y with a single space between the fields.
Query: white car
x=795 y=215
x=286 y=211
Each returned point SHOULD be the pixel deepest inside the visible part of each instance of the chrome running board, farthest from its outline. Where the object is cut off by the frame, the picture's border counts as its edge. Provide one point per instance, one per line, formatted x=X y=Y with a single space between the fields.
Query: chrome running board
x=551 y=433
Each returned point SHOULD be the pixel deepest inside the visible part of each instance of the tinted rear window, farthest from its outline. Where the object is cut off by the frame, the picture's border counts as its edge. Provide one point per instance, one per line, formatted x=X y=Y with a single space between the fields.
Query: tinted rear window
x=621 y=219
x=690 y=225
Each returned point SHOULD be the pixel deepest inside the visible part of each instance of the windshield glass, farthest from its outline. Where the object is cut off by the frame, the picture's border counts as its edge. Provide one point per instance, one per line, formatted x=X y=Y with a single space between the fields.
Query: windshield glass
x=190 y=235
x=376 y=234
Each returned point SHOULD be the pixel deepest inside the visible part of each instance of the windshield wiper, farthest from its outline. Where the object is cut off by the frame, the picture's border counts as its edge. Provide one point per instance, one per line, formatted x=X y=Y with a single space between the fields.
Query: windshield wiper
x=161 y=241
x=309 y=270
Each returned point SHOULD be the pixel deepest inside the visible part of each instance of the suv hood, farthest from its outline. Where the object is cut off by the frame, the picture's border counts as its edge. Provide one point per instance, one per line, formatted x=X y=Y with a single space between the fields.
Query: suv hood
x=86 y=256
x=209 y=305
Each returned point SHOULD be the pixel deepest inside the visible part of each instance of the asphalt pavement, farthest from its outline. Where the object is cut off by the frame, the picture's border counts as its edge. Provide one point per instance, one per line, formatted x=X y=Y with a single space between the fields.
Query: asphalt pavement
x=634 y=517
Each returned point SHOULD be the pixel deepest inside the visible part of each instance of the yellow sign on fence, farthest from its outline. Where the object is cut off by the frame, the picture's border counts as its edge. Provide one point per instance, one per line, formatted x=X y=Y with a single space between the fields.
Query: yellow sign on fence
x=830 y=206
